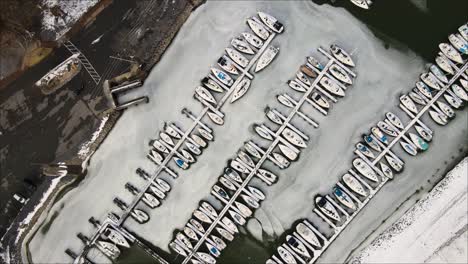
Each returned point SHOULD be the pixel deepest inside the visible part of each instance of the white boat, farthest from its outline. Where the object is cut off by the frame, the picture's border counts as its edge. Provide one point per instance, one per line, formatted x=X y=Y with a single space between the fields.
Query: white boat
x=386 y=170
x=166 y=138
x=281 y=160
x=297 y=246
x=205 y=134
x=286 y=256
x=187 y=155
x=269 y=261
x=419 y=142
x=237 y=218
x=365 y=169
x=354 y=184
x=178 y=249
x=116 y=237
x=320 y=100
x=197 y=225
x=438 y=73
x=241 y=89
x=395 y=164
x=464 y=83
x=293 y=138
x=371 y=143
x=459 y=91
x=387 y=129
x=219 y=243
x=444 y=64
x=424 y=90
x=395 y=120
x=215 y=118
x=285 y=101
x=239 y=167
x=237 y=57
x=271 y=22
x=239 y=44
x=308 y=235
x=194 y=149
x=246 y=212
x=230 y=225
x=408 y=103
x=253 y=40
x=159 y=146
x=195 y=261
x=459 y=43
x=151 y=201
x=416 y=98
x=296 y=86
x=227 y=183
x=181 y=163
x=155 y=157
x=463 y=29
x=288 y=152
x=252 y=150
x=209 y=208
x=245 y=158
x=222 y=76
x=224 y=233
x=202 y=216
x=408 y=148
x=206 y=258
x=212 y=85
x=379 y=135
x=171 y=131
x=250 y=201
x=190 y=233
x=226 y=64
x=268 y=175
x=257 y=193
x=232 y=174
x=303 y=78
x=430 y=80
x=182 y=238
x=327 y=208
x=361 y=3
x=213 y=250
x=450 y=52
x=258 y=29
x=221 y=192
x=340 y=74
x=140 y=216
x=314 y=62
x=452 y=101
x=447 y=110
x=341 y=55
x=263 y=133
x=331 y=86
x=365 y=150
x=344 y=198
x=423 y=133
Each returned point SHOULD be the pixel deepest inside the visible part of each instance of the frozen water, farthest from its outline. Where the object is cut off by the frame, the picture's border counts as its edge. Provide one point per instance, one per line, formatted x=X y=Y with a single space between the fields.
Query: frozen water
x=382 y=75
x=434 y=230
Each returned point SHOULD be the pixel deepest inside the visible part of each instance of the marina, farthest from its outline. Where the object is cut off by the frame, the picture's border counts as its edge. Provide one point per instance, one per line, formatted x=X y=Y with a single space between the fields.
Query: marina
x=328 y=211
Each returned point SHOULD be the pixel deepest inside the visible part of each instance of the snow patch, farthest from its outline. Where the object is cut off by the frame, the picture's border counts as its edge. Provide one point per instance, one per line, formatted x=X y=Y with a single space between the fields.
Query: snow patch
x=84 y=152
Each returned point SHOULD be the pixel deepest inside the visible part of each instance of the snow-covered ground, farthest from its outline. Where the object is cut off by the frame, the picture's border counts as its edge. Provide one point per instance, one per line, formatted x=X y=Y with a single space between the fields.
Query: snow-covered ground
x=382 y=75
x=70 y=11
x=434 y=230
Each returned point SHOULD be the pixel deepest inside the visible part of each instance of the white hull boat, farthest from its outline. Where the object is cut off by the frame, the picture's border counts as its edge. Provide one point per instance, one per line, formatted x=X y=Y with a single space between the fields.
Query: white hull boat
x=239 y=167
x=227 y=183
x=224 y=233
x=386 y=170
x=245 y=211
x=394 y=120
x=396 y=165
x=423 y=133
x=205 y=94
x=416 y=98
x=250 y=201
x=219 y=243
x=286 y=256
x=314 y=62
x=116 y=237
x=140 y=216
x=271 y=22
x=459 y=91
x=354 y=184
x=296 y=86
x=327 y=208
x=244 y=157
x=459 y=43
x=444 y=64
x=178 y=249
x=194 y=149
x=266 y=58
x=171 y=131
x=424 y=90
x=293 y=138
x=242 y=46
x=303 y=78
x=205 y=134
x=213 y=250
x=284 y=163
x=308 y=235
x=202 y=216
x=379 y=135
x=159 y=146
x=341 y=55
x=408 y=103
x=450 y=52
x=387 y=129
x=241 y=89
x=226 y=64
x=268 y=175
x=365 y=169
x=263 y=133
x=361 y=3
x=210 y=209
x=419 y=142
x=197 y=225
x=430 y=80
x=232 y=174
x=297 y=246
x=258 y=29
x=252 y=151
x=464 y=31
x=371 y=143
x=188 y=156
x=257 y=193
x=166 y=138
x=439 y=74
x=230 y=225
x=288 y=152
x=237 y=218
x=320 y=100
x=221 y=192
x=344 y=198
x=212 y=85
x=331 y=86
x=253 y=40
x=216 y=119
x=191 y=233
x=206 y=258
x=408 y=148
x=222 y=76
x=182 y=238
x=447 y=110
x=365 y=150
x=151 y=201
x=340 y=74
x=237 y=57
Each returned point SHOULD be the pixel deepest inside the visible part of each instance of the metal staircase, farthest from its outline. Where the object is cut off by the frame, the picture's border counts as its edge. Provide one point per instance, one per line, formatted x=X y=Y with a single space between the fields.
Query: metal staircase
x=84 y=61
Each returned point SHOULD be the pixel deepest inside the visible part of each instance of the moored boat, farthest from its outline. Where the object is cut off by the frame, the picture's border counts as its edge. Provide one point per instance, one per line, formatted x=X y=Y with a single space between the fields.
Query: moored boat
x=371 y=143
x=245 y=211
x=344 y=198
x=288 y=152
x=237 y=57
x=444 y=64
x=202 y=216
x=331 y=86
x=212 y=85
x=463 y=29
x=215 y=118
x=386 y=170
x=395 y=120
x=258 y=29
x=416 y=98
x=297 y=246
x=296 y=86
x=423 y=133
x=266 y=58
x=271 y=22
x=379 y=135
x=408 y=148
x=237 y=218
x=365 y=169
x=340 y=74
x=408 y=103
x=365 y=150
x=341 y=55
x=286 y=256
x=395 y=164
x=424 y=90
x=194 y=149
x=447 y=110
x=450 y=52
x=242 y=46
x=222 y=76
x=320 y=100
x=387 y=129
x=430 y=80
x=438 y=73
x=314 y=62
x=419 y=142
x=354 y=184
x=327 y=208
x=241 y=89
x=224 y=233
x=459 y=43
x=293 y=137
x=308 y=235
x=115 y=237
x=150 y=200
x=257 y=193
x=253 y=40
x=459 y=91
x=226 y=64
